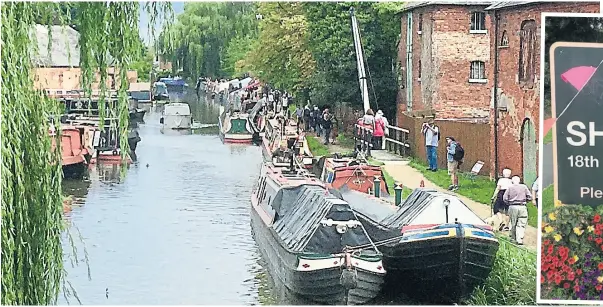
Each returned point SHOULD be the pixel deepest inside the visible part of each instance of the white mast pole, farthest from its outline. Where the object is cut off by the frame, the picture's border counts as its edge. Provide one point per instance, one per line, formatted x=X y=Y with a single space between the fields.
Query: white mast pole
x=360 y=62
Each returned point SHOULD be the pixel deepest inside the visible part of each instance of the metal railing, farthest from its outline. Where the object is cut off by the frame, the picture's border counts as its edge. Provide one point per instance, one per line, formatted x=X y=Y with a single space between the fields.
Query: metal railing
x=397 y=141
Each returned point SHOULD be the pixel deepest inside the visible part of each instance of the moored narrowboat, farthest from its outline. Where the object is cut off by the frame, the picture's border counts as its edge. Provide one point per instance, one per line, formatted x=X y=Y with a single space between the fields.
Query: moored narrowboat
x=437 y=248
x=281 y=134
x=235 y=127
x=355 y=173
x=312 y=241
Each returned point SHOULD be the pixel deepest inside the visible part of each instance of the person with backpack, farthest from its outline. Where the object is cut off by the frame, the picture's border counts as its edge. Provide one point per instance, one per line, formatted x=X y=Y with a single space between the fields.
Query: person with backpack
x=432 y=138
x=455 y=154
x=307 y=116
x=378 y=133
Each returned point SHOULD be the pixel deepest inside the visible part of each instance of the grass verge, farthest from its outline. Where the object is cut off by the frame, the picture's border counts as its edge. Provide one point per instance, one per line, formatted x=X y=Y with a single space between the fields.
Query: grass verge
x=317 y=148
x=478 y=189
x=512 y=280
x=391 y=183
x=345 y=141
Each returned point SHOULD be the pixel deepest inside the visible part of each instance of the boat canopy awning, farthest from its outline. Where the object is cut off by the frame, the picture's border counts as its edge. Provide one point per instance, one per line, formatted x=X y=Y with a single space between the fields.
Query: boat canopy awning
x=253 y=84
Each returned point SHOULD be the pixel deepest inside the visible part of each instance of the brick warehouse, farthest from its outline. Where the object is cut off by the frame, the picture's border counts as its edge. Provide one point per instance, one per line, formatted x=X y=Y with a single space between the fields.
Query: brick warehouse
x=451 y=50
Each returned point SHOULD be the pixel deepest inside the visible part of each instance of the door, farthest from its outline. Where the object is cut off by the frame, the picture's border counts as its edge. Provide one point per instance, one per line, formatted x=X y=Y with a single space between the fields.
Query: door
x=530 y=150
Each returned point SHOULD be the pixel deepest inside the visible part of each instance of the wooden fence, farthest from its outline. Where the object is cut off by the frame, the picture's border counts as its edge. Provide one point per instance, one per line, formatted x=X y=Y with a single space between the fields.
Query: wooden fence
x=474 y=137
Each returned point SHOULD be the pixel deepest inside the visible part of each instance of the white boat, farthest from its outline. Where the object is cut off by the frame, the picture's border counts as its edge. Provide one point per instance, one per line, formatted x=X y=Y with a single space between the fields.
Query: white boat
x=176 y=115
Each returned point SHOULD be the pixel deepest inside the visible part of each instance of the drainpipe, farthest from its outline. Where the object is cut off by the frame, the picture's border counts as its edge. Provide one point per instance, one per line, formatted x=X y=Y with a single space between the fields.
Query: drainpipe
x=496 y=30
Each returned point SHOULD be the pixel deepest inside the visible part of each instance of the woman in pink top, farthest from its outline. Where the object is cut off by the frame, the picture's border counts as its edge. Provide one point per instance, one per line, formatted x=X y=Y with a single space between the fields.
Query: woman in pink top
x=378 y=133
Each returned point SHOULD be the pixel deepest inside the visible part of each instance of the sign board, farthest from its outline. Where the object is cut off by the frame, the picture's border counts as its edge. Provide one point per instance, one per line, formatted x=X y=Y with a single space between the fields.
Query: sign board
x=577 y=105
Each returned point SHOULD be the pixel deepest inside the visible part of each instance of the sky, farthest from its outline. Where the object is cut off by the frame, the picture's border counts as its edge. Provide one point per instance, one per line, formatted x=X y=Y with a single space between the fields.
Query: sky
x=178 y=8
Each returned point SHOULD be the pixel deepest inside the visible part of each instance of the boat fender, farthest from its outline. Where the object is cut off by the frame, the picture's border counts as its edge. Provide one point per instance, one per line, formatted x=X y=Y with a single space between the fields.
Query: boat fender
x=349 y=278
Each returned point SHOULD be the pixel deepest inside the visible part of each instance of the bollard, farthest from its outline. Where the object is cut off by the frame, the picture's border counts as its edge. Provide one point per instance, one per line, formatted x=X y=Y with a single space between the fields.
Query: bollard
x=422 y=185
x=398 y=193
x=377 y=186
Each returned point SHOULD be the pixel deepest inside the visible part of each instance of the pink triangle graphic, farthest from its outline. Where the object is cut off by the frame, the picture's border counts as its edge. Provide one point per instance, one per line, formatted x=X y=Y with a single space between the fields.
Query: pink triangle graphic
x=578 y=76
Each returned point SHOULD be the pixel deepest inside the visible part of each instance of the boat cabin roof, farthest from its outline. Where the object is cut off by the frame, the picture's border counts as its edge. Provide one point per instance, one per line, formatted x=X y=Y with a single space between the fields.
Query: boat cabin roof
x=384 y=212
x=285 y=179
x=177 y=107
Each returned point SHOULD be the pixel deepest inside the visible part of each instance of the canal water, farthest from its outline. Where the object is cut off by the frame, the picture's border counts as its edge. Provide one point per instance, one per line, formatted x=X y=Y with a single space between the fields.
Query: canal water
x=173 y=229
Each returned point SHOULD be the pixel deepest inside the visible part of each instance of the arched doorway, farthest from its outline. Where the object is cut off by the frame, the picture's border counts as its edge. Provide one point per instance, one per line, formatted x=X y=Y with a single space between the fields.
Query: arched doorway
x=529 y=148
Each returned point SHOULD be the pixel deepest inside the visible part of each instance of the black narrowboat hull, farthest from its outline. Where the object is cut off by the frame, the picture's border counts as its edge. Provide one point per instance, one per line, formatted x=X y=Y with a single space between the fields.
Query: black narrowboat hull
x=321 y=286
x=441 y=265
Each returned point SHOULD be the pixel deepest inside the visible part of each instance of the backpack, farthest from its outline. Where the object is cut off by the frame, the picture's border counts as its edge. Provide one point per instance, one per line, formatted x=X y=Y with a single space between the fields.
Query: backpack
x=439 y=138
x=307 y=112
x=459 y=152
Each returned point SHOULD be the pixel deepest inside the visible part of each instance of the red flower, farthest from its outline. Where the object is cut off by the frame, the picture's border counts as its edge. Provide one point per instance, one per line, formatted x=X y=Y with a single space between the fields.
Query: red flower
x=566 y=285
x=542 y=279
x=570 y=276
x=550 y=250
x=590 y=238
x=600 y=266
x=576 y=288
x=578 y=272
x=599 y=287
x=558 y=279
x=550 y=274
x=598 y=231
x=597 y=218
x=546 y=242
x=599 y=241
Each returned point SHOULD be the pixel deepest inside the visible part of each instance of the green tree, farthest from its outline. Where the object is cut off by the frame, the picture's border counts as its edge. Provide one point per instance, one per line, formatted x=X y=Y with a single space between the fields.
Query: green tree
x=199 y=40
x=280 y=55
x=32 y=255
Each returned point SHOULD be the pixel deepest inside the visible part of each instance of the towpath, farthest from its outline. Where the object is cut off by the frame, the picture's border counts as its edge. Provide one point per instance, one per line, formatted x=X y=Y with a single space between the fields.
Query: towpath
x=411 y=178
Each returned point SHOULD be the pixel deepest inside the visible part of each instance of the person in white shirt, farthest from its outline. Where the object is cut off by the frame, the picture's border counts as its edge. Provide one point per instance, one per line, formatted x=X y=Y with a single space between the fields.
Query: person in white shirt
x=432 y=136
x=500 y=208
x=535 y=189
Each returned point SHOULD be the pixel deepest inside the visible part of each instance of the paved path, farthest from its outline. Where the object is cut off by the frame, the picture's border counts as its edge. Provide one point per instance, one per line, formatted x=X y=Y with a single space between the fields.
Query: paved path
x=411 y=178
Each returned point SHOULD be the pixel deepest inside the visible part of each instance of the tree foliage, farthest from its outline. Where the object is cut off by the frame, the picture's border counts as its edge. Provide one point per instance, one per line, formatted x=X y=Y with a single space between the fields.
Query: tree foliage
x=32 y=255
x=197 y=43
x=281 y=55
x=567 y=29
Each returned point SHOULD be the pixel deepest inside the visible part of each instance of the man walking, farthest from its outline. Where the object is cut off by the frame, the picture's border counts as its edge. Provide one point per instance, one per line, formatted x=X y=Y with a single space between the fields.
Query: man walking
x=327 y=125
x=432 y=136
x=517 y=196
x=453 y=164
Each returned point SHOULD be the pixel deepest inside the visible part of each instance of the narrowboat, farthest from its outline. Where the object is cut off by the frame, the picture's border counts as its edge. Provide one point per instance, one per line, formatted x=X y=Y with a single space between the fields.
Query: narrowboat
x=355 y=173
x=141 y=92
x=176 y=115
x=235 y=127
x=435 y=248
x=278 y=135
x=160 y=93
x=73 y=151
x=312 y=241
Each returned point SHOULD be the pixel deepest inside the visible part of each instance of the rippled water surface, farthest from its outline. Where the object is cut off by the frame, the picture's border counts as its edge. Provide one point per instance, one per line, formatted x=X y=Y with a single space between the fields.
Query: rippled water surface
x=174 y=229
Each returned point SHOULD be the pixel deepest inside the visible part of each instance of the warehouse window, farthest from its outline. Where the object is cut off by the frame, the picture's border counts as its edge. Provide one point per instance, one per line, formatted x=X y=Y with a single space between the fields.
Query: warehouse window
x=527 y=53
x=478 y=22
x=477 y=73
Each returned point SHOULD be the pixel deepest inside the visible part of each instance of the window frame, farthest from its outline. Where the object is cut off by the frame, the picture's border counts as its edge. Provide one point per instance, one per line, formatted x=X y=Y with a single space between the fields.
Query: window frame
x=504 y=40
x=528 y=40
x=420 y=24
x=420 y=68
x=473 y=21
x=483 y=77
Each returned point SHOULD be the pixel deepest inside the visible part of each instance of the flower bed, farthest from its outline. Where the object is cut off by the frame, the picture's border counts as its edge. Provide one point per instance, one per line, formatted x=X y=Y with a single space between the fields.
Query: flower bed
x=572 y=254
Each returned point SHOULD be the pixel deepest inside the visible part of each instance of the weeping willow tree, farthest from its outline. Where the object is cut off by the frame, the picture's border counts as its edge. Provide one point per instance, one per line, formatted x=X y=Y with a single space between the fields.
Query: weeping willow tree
x=32 y=255
x=198 y=42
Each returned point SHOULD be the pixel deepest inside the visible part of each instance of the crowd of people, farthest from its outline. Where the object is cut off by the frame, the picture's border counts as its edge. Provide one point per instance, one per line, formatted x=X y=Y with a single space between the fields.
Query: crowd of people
x=511 y=196
x=315 y=120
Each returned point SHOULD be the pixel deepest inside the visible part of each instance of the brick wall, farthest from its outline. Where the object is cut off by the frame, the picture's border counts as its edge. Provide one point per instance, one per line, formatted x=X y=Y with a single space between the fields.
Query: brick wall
x=521 y=101
x=445 y=48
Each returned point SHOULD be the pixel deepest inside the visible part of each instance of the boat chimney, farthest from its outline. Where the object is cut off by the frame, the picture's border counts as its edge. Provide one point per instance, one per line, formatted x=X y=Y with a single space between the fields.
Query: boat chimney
x=398 y=193
x=446 y=204
x=377 y=186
